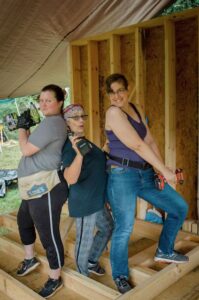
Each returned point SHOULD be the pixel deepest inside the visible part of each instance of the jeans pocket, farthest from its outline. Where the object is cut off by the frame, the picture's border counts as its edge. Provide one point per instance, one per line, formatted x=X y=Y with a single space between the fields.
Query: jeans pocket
x=118 y=170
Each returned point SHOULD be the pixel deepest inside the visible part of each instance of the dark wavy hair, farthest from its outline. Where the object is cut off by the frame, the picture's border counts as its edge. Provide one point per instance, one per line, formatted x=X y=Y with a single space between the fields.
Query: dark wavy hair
x=116 y=77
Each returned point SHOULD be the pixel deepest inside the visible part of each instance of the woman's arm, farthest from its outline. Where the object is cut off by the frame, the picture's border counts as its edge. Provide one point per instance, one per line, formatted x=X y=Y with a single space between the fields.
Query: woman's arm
x=72 y=173
x=151 y=142
x=117 y=122
x=27 y=148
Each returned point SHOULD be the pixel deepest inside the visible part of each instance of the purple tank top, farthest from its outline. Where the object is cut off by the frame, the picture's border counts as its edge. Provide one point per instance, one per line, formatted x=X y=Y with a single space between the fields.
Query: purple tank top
x=117 y=148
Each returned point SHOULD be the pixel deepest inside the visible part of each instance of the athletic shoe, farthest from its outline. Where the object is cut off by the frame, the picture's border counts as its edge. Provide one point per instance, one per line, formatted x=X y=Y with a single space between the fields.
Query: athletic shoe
x=27 y=266
x=175 y=257
x=123 y=285
x=51 y=287
x=96 y=269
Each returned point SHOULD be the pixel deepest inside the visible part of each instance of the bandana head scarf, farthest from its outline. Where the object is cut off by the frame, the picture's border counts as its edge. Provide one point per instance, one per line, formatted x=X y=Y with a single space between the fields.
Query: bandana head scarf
x=72 y=110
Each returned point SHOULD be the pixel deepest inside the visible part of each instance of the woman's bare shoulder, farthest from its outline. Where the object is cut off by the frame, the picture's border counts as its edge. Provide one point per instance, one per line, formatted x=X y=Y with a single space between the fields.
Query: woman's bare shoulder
x=113 y=110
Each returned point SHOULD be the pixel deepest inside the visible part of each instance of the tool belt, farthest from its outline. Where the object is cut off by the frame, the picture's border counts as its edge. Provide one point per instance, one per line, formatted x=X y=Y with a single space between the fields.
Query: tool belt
x=38 y=184
x=130 y=163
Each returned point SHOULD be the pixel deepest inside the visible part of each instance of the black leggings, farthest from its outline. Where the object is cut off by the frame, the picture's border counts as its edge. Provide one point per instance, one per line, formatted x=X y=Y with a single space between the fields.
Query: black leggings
x=44 y=214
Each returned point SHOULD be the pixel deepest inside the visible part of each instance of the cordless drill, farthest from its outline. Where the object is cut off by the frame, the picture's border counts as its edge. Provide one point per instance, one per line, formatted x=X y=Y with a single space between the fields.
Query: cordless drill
x=160 y=180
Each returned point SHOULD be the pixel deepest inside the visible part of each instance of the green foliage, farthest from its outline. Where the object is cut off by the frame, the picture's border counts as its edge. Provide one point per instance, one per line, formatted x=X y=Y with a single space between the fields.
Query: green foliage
x=68 y=97
x=180 y=5
x=10 y=107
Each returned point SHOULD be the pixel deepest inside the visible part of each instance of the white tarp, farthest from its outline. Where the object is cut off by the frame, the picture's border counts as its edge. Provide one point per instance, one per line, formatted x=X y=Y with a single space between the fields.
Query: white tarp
x=34 y=36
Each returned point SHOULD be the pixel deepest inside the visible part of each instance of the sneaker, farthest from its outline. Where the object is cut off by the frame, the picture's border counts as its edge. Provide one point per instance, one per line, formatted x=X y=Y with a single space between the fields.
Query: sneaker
x=51 y=287
x=27 y=266
x=96 y=269
x=175 y=257
x=123 y=285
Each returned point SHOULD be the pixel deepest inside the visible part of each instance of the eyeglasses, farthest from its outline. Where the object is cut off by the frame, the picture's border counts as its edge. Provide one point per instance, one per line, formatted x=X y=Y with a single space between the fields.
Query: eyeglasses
x=77 y=118
x=119 y=92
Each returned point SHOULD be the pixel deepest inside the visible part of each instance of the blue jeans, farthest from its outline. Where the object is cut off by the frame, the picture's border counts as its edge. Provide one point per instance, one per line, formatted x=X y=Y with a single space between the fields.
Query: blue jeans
x=124 y=186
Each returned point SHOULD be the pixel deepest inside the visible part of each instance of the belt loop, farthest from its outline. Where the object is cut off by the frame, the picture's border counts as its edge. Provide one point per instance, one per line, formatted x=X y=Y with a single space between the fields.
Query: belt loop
x=125 y=162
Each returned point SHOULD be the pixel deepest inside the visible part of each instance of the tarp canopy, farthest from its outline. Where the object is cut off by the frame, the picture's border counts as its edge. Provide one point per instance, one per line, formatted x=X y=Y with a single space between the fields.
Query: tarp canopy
x=34 y=36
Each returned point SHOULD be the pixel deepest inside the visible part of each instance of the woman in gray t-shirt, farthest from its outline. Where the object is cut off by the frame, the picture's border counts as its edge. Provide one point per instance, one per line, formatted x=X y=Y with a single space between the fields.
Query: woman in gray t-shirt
x=42 y=187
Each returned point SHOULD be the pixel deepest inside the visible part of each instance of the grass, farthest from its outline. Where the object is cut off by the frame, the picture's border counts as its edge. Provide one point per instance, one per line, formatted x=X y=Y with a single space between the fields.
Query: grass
x=9 y=158
x=10 y=155
x=11 y=201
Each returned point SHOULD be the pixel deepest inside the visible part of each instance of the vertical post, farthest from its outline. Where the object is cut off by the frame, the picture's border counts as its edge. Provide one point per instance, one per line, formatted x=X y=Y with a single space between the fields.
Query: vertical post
x=140 y=95
x=115 y=55
x=170 y=95
x=93 y=80
x=198 y=136
x=139 y=69
x=75 y=74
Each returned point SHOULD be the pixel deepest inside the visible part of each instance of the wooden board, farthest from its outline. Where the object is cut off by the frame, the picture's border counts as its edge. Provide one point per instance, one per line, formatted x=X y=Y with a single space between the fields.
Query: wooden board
x=144 y=272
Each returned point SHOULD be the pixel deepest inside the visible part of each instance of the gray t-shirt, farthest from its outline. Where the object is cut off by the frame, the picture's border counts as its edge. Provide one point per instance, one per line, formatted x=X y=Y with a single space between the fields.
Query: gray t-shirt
x=49 y=137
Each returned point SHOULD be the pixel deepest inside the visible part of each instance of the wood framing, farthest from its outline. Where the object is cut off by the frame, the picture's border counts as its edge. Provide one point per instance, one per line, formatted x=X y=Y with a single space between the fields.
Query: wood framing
x=76 y=75
x=150 y=278
x=115 y=54
x=161 y=64
x=139 y=68
x=151 y=55
x=170 y=95
x=94 y=130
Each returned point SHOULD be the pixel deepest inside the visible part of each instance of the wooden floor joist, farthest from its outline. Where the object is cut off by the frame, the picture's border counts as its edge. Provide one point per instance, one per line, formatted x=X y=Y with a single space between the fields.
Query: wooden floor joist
x=150 y=278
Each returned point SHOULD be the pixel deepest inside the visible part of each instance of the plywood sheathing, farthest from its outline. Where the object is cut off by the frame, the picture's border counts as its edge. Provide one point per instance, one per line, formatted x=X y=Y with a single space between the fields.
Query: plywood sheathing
x=128 y=58
x=187 y=109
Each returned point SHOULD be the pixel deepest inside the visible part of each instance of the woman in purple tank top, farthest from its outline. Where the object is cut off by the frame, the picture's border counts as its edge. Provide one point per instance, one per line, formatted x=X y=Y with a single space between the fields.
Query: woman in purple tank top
x=132 y=156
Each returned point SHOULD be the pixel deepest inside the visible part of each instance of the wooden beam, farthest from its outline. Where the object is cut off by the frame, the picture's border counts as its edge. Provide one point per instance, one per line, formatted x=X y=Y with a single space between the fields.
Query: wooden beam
x=140 y=81
x=159 y=21
x=75 y=74
x=15 y=290
x=140 y=99
x=10 y=222
x=115 y=54
x=93 y=79
x=152 y=231
x=137 y=273
x=198 y=137
x=170 y=95
x=162 y=279
x=80 y=284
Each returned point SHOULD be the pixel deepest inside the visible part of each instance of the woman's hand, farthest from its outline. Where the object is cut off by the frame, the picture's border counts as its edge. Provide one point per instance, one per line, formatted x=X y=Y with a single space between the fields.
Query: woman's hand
x=170 y=176
x=74 y=140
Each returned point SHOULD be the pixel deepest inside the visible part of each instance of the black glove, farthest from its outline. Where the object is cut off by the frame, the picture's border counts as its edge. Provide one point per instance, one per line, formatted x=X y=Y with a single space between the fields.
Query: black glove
x=24 y=121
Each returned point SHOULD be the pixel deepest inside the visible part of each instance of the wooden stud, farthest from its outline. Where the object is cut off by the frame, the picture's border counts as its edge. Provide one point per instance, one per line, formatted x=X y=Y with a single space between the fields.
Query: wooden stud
x=198 y=134
x=170 y=95
x=72 y=279
x=140 y=96
x=115 y=55
x=152 y=231
x=139 y=68
x=15 y=290
x=195 y=228
x=187 y=225
x=94 y=124
x=75 y=74
x=162 y=279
